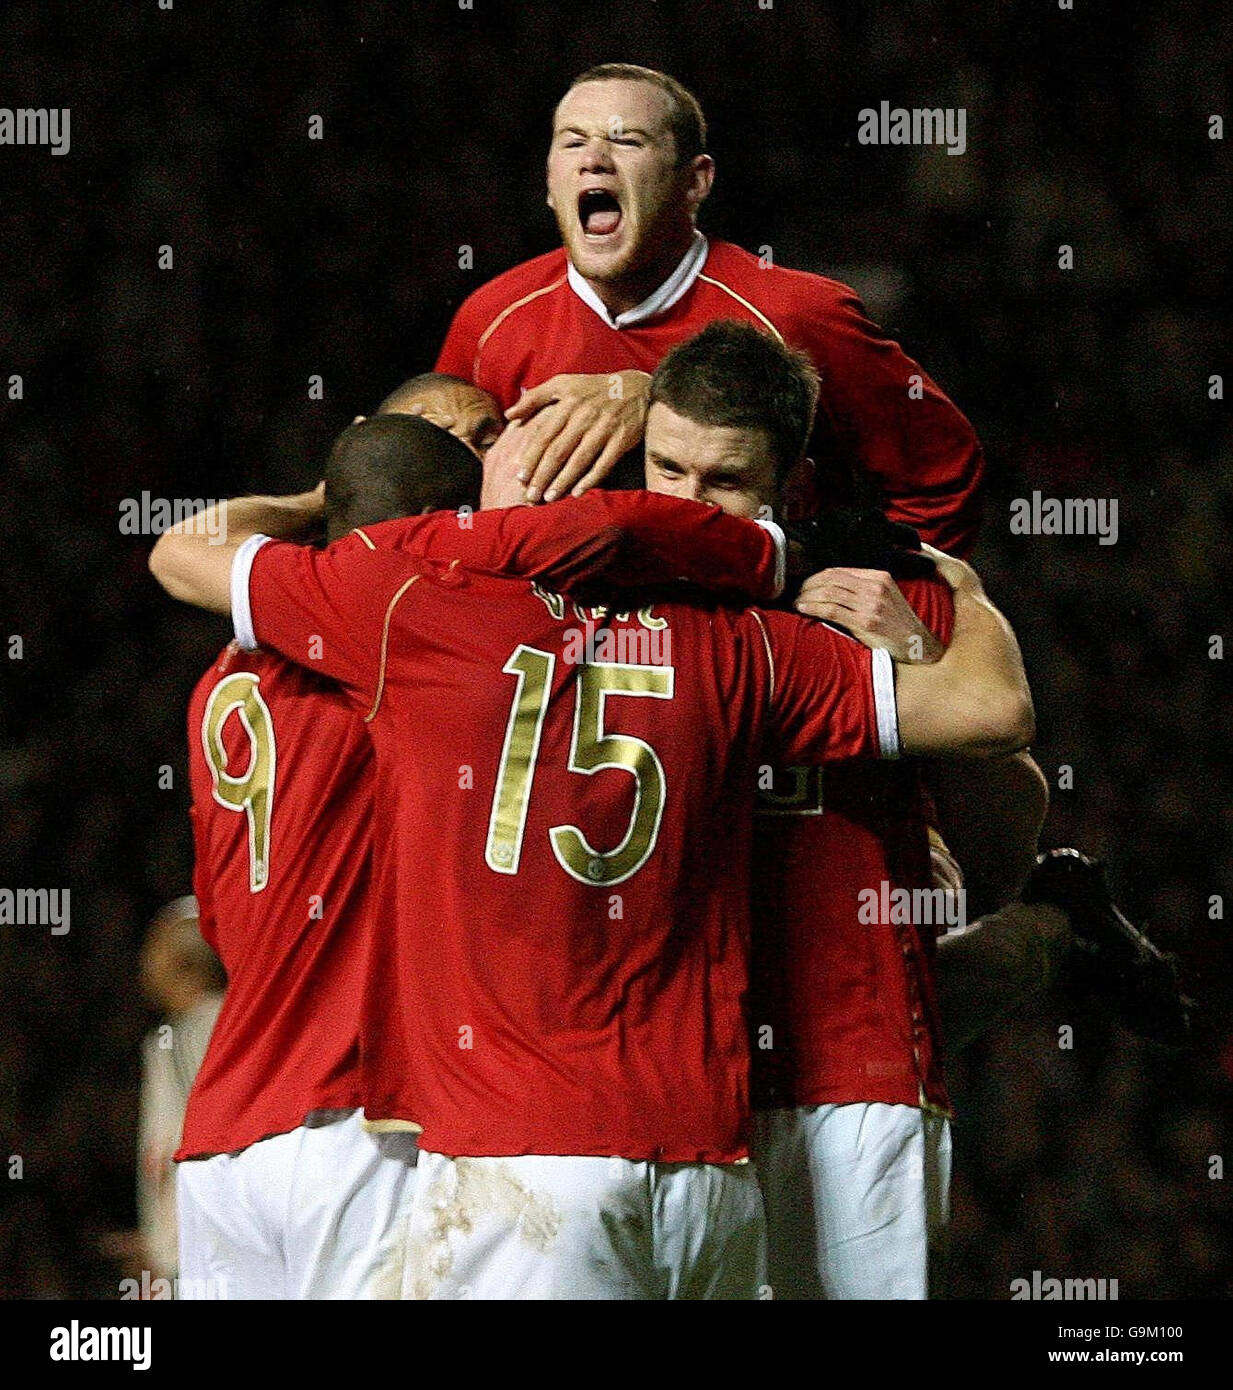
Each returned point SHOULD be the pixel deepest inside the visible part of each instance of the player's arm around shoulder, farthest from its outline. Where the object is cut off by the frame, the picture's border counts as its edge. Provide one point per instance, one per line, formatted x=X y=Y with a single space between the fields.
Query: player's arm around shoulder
x=974 y=701
x=192 y=560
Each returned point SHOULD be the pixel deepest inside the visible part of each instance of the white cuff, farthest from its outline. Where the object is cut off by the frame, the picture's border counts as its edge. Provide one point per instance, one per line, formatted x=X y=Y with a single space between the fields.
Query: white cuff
x=241 y=607
x=884 y=703
x=781 y=553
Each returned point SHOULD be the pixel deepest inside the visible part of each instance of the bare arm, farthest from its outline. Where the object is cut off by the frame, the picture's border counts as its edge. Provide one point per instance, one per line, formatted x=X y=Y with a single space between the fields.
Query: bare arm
x=991 y=814
x=996 y=968
x=192 y=560
x=974 y=701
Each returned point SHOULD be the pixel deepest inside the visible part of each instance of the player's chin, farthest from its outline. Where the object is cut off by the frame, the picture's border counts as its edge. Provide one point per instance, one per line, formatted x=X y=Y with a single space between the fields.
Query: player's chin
x=600 y=258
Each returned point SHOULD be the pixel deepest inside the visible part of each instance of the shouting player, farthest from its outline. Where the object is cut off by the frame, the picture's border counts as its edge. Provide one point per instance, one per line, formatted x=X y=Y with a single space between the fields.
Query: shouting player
x=565 y=342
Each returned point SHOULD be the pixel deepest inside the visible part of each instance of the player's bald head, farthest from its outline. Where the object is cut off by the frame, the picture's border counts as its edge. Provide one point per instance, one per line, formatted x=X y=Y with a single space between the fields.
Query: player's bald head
x=391 y=466
x=469 y=412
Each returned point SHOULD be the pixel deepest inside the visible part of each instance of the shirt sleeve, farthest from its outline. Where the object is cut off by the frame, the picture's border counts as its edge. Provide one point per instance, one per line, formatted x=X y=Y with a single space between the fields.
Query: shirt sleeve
x=326 y=610
x=831 y=698
x=889 y=419
x=628 y=539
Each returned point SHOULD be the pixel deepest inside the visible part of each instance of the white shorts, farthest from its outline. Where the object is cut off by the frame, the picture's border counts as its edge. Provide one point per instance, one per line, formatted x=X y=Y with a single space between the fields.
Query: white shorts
x=544 y=1227
x=857 y=1200
x=320 y=1212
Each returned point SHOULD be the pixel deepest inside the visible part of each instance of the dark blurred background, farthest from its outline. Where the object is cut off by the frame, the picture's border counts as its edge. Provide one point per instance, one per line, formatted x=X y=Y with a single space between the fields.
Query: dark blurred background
x=340 y=257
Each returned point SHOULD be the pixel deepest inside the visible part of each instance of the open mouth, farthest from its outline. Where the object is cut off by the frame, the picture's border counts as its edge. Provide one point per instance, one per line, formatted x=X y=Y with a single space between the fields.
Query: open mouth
x=599 y=212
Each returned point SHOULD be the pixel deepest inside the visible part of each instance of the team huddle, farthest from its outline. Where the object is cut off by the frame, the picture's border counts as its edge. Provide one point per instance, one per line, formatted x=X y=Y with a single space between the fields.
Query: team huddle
x=539 y=799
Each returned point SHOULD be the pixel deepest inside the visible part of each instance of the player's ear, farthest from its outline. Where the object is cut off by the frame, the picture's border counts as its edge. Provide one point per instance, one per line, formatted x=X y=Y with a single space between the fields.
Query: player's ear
x=701 y=177
x=798 y=496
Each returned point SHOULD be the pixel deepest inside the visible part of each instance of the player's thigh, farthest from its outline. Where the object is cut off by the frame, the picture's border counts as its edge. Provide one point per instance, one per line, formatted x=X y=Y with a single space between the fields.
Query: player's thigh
x=531 y=1227
x=781 y=1157
x=878 y=1184
x=229 y=1246
x=350 y=1202
x=709 y=1229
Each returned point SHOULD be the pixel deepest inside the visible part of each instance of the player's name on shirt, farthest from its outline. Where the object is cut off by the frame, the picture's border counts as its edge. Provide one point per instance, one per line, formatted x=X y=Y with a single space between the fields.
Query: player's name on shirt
x=648 y=643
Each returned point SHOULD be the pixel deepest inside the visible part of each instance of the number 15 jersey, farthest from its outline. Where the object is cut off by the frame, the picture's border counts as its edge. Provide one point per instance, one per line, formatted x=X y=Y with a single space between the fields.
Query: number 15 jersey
x=562 y=830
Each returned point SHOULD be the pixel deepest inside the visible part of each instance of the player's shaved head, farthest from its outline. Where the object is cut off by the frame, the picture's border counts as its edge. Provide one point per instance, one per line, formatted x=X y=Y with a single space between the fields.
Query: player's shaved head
x=417 y=390
x=734 y=376
x=469 y=412
x=685 y=119
x=391 y=466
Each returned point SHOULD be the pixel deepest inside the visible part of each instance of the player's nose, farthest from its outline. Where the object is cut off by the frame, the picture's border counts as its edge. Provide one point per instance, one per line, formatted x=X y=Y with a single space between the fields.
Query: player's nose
x=596 y=155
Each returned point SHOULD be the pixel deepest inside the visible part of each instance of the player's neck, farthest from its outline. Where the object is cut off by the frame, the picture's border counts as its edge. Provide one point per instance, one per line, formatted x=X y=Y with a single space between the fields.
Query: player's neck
x=620 y=296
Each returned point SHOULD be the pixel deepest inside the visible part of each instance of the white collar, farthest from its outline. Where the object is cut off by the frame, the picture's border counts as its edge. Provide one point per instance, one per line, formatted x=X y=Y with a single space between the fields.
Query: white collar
x=675 y=287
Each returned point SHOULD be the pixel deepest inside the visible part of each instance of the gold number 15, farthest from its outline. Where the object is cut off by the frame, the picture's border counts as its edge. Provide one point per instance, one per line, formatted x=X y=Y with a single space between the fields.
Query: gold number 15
x=591 y=750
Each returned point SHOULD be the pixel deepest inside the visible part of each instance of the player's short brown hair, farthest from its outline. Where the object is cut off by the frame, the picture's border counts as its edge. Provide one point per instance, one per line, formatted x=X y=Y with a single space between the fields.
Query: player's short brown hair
x=391 y=466
x=686 y=121
x=735 y=376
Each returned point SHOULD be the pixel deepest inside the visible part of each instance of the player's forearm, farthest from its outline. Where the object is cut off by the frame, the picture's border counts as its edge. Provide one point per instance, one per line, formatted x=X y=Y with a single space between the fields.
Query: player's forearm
x=192 y=560
x=627 y=539
x=990 y=971
x=665 y=539
x=991 y=813
x=975 y=701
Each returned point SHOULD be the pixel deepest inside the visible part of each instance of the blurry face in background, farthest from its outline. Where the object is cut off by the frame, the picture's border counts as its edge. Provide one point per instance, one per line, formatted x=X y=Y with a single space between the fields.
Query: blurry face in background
x=467 y=412
x=726 y=467
x=623 y=204
x=169 y=978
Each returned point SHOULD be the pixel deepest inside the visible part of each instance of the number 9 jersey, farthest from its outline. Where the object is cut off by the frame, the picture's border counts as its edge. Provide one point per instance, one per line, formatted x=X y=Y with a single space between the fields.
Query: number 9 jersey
x=281 y=774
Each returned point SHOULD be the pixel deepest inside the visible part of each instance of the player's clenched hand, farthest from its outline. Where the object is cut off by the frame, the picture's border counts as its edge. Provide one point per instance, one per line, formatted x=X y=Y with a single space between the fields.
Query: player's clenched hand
x=571 y=430
x=873 y=609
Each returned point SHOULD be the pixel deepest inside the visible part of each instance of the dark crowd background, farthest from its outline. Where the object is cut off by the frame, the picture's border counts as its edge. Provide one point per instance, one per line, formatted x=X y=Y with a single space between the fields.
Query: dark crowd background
x=341 y=257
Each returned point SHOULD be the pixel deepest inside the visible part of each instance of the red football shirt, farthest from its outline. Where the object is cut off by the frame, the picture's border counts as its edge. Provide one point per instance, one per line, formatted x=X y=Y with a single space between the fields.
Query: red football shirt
x=878 y=412
x=280 y=769
x=565 y=837
x=843 y=1007
x=281 y=772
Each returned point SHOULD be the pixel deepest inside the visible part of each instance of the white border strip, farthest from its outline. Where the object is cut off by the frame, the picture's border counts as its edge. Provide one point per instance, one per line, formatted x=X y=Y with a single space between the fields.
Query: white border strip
x=241 y=606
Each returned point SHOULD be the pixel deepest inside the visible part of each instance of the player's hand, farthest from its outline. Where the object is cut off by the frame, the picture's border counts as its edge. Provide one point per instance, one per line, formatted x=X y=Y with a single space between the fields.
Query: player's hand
x=570 y=431
x=873 y=609
x=500 y=486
